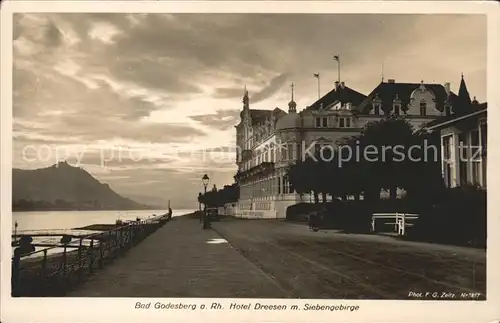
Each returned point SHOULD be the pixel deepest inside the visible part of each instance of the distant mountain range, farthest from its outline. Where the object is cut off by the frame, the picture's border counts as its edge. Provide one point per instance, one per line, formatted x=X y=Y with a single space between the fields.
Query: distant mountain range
x=64 y=187
x=150 y=200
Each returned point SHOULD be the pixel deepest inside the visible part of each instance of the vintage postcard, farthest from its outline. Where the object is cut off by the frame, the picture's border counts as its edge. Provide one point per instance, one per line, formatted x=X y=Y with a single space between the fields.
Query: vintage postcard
x=250 y=161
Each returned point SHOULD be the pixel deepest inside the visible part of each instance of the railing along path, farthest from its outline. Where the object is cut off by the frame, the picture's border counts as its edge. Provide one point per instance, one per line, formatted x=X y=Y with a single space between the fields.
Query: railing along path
x=47 y=272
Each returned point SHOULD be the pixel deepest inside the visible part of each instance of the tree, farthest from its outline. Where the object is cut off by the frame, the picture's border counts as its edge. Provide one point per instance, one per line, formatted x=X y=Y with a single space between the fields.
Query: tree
x=216 y=198
x=424 y=181
x=384 y=146
x=303 y=176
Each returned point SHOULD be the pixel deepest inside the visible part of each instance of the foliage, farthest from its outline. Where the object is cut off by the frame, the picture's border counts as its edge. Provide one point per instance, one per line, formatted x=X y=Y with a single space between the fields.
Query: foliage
x=300 y=211
x=216 y=198
x=458 y=218
x=388 y=154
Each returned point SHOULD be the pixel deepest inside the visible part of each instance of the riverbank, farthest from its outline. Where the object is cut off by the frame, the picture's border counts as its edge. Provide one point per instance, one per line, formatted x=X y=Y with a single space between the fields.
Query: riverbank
x=55 y=273
x=190 y=215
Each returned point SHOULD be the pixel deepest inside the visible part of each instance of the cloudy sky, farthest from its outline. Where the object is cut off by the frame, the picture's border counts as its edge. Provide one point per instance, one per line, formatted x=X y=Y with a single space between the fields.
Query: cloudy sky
x=136 y=98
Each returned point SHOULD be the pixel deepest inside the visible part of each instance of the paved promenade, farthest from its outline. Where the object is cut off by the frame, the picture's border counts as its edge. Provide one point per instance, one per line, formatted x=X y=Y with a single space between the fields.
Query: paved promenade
x=329 y=264
x=181 y=260
x=276 y=259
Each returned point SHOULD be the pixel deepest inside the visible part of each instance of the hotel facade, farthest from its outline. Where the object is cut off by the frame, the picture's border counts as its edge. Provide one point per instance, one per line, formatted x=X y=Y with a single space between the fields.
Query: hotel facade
x=269 y=141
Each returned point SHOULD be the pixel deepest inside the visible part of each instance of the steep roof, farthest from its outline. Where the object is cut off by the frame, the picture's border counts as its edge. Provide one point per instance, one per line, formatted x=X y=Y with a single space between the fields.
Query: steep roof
x=473 y=109
x=343 y=94
x=463 y=93
x=387 y=93
x=260 y=116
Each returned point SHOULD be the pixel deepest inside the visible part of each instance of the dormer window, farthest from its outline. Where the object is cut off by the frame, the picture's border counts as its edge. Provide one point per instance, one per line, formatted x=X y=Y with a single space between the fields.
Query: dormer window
x=321 y=122
x=423 y=108
x=396 y=105
x=344 y=122
x=377 y=107
x=397 y=109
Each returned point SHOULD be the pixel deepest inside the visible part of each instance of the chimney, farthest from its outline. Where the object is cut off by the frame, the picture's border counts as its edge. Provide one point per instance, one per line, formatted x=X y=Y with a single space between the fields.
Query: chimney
x=392 y=81
x=447 y=88
x=342 y=85
x=336 y=85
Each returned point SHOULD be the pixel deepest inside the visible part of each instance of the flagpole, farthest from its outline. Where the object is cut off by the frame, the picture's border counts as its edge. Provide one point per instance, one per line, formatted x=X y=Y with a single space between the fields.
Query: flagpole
x=316 y=75
x=338 y=66
x=319 y=92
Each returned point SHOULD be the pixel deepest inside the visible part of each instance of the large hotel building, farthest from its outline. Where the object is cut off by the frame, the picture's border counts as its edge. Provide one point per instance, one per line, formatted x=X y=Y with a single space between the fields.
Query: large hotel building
x=270 y=141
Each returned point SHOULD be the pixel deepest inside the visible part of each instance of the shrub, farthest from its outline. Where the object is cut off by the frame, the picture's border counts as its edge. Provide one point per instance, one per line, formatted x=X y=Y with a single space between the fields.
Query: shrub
x=350 y=216
x=300 y=211
x=459 y=218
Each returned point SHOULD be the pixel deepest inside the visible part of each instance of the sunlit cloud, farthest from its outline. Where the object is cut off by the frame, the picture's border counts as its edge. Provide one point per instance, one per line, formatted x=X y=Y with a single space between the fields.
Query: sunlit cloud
x=139 y=100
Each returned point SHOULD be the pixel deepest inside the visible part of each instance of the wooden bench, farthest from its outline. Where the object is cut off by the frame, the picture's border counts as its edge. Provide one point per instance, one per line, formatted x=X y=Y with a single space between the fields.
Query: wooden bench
x=400 y=220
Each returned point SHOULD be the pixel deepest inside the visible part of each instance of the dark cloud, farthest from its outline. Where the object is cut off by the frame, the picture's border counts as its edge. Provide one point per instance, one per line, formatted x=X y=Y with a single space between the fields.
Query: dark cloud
x=228 y=93
x=222 y=119
x=75 y=83
x=273 y=86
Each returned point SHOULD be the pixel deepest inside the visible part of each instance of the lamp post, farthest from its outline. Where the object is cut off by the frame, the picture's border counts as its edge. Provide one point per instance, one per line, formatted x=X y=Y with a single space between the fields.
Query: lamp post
x=199 y=201
x=205 y=180
x=15 y=230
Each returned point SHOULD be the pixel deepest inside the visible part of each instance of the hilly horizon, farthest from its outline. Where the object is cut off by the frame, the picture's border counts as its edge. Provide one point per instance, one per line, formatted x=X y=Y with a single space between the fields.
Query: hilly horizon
x=62 y=186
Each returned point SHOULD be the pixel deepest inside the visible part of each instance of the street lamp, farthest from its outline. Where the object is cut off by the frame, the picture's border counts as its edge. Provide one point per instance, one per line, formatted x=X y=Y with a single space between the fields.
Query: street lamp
x=205 y=179
x=15 y=230
x=199 y=200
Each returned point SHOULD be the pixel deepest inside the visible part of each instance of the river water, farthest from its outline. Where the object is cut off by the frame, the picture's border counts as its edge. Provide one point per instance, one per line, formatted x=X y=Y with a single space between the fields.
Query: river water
x=67 y=221
x=49 y=220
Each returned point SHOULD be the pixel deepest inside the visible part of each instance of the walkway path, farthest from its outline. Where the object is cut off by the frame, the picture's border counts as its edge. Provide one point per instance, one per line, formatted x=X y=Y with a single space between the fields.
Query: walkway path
x=275 y=259
x=181 y=260
x=329 y=264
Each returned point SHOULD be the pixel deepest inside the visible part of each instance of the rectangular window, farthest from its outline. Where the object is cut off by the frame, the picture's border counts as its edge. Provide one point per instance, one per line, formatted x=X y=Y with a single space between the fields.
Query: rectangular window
x=484 y=137
x=348 y=122
x=318 y=122
x=447 y=174
x=279 y=185
x=447 y=160
x=376 y=109
x=476 y=179
x=341 y=123
x=423 y=108
x=484 y=169
x=463 y=155
x=447 y=147
x=474 y=145
x=325 y=122
x=397 y=109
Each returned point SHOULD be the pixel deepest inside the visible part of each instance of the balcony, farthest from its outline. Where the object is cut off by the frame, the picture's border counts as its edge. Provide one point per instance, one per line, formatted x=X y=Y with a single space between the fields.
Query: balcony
x=246 y=155
x=256 y=171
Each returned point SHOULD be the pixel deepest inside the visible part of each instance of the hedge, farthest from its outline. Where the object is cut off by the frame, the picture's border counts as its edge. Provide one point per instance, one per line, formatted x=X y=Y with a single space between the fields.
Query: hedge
x=459 y=218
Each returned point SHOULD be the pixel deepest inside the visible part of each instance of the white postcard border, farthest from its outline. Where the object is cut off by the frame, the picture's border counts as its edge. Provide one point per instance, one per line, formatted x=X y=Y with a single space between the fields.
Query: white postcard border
x=122 y=309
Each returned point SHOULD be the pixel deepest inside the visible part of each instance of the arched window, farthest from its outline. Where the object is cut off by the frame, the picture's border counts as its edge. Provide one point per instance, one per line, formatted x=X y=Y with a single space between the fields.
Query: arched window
x=423 y=108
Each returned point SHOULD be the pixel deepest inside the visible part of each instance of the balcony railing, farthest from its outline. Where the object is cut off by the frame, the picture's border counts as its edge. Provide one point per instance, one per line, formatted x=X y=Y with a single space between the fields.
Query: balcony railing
x=259 y=170
x=246 y=155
